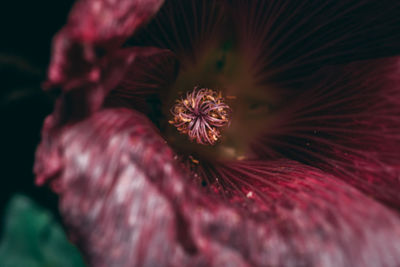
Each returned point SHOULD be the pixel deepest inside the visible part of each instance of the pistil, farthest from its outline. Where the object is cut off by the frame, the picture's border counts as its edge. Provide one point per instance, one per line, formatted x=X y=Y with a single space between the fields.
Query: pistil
x=202 y=114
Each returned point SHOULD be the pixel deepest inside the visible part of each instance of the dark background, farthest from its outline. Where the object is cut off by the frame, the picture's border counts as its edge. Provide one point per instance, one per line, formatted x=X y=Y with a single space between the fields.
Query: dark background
x=26 y=28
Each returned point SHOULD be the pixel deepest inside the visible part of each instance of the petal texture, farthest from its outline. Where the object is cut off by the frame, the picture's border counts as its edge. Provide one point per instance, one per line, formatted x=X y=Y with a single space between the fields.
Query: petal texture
x=345 y=120
x=127 y=203
x=288 y=40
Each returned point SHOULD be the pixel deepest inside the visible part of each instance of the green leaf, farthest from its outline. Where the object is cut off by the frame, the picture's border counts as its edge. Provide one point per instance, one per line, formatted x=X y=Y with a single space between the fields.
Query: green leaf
x=32 y=238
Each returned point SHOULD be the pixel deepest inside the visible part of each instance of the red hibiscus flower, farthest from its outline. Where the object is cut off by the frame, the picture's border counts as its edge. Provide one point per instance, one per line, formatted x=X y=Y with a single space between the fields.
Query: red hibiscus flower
x=227 y=133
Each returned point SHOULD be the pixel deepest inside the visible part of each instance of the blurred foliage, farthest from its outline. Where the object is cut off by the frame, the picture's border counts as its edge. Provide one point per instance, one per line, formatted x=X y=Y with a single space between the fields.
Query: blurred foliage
x=32 y=238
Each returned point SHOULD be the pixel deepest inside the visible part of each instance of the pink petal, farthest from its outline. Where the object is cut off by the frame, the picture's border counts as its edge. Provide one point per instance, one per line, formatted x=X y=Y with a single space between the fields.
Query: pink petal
x=188 y=28
x=98 y=21
x=85 y=94
x=128 y=203
x=288 y=40
x=86 y=60
x=94 y=27
x=151 y=75
x=345 y=120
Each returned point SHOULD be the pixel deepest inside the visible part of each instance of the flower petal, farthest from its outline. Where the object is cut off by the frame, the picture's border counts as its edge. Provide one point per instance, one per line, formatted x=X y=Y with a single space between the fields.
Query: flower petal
x=127 y=203
x=145 y=81
x=287 y=40
x=95 y=27
x=306 y=218
x=83 y=93
x=96 y=21
x=345 y=120
x=86 y=60
x=188 y=28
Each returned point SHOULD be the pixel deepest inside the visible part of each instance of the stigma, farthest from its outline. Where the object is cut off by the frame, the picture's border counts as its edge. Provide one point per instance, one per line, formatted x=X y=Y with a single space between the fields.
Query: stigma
x=201 y=115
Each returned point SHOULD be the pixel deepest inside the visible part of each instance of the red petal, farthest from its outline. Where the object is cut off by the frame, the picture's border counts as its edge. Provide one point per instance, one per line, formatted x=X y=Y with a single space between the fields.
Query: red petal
x=84 y=62
x=287 y=40
x=85 y=91
x=94 y=21
x=189 y=28
x=95 y=27
x=127 y=204
x=151 y=74
x=345 y=121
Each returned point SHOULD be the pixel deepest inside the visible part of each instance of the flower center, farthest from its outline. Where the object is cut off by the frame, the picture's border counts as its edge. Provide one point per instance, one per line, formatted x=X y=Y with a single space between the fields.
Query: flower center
x=201 y=115
x=204 y=115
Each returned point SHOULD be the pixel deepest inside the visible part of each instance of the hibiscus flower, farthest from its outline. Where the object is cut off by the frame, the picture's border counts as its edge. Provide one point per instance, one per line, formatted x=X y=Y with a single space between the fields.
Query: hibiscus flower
x=227 y=133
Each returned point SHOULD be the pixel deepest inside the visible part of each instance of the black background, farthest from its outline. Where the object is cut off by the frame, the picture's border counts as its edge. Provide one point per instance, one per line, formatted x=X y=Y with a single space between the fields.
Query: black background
x=27 y=28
